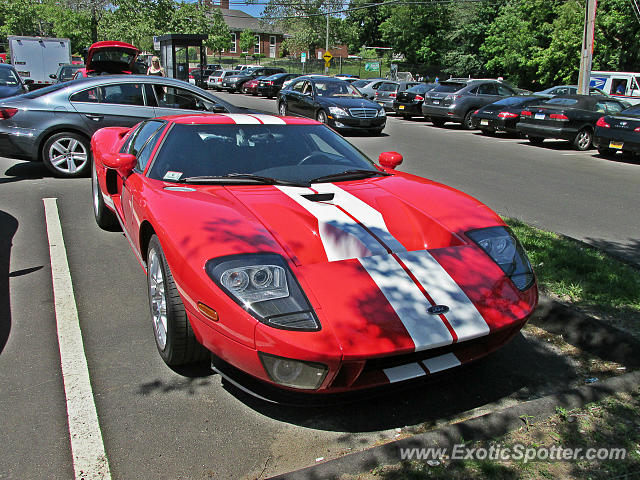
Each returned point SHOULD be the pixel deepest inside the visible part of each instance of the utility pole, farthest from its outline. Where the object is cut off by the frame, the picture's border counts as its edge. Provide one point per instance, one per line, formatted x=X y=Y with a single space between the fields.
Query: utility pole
x=586 y=54
x=326 y=48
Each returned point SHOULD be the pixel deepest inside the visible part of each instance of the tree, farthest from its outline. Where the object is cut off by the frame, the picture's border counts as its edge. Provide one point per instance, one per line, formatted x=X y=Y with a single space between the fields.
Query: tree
x=247 y=39
x=361 y=25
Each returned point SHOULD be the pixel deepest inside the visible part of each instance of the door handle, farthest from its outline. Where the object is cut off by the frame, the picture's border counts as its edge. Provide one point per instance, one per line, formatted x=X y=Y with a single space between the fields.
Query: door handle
x=95 y=118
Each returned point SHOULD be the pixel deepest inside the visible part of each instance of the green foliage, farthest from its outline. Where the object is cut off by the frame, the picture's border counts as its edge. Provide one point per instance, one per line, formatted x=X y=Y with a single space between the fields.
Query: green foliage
x=246 y=41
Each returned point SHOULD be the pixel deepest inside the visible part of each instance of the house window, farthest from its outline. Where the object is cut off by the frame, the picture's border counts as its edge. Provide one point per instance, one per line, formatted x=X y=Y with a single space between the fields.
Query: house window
x=272 y=40
x=233 y=43
x=256 y=47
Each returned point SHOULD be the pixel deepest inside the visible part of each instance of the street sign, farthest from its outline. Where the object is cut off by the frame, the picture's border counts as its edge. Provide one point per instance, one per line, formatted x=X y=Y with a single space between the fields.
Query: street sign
x=326 y=64
x=156 y=43
x=327 y=57
x=303 y=57
x=372 y=67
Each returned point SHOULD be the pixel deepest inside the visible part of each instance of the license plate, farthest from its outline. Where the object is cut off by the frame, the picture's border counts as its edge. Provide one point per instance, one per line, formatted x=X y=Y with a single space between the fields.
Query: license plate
x=539 y=116
x=401 y=107
x=436 y=102
x=484 y=122
x=616 y=145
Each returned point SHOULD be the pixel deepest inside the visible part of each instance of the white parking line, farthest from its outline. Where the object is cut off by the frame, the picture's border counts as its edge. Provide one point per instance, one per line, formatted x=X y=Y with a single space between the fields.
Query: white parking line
x=89 y=457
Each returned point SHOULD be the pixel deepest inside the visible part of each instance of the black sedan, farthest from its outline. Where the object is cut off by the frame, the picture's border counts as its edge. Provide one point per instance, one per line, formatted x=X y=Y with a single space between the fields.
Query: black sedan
x=271 y=85
x=332 y=101
x=409 y=103
x=502 y=115
x=618 y=133
x=234 y=83
x=572 y=118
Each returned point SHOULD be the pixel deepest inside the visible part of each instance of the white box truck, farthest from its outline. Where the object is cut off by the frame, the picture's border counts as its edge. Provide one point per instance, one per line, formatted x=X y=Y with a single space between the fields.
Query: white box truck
x=623 y=85
x=35 y=58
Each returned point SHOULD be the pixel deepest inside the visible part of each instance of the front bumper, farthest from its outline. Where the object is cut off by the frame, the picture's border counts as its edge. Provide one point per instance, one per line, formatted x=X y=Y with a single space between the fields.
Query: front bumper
x=352 y=123
x=544 y=131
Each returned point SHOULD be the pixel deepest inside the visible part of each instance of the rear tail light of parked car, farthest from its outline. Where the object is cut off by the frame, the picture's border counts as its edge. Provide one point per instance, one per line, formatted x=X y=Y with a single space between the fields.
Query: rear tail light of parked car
x=392 y=95
x=268 y=82
x=419 y=98
x=525 y=113
x=452 y=97
x=559 y=116
x=637 y=129
x=6 y=113
x=507 y=115
x=602 y=123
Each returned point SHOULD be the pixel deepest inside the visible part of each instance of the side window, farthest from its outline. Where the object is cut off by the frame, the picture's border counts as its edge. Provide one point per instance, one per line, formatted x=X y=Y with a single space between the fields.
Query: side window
x=91 y=95
x=487 y=89
x=504 y=91
x=180 y=98
x=123 y=94
x=376 y=85
x=141 y=139
x=601 y=107
x=307 y=89
x=145 y=154
x=297 y=87
x=474 y=91
x=613 y=108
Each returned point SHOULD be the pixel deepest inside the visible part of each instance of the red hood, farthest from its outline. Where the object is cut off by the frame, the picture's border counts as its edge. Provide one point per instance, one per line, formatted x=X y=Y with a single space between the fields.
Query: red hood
x=111 y=57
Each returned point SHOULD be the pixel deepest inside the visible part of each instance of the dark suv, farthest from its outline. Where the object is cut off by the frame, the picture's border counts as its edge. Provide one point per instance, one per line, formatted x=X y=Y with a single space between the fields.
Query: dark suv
x=456 y=99
x=235 y=82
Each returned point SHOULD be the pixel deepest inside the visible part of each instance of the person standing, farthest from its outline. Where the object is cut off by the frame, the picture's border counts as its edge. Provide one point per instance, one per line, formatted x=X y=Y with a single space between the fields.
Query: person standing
x=156 y=68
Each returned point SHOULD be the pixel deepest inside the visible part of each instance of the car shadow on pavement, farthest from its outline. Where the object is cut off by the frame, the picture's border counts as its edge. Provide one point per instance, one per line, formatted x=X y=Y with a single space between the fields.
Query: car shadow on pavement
x=26 y=171
x=8 y=228
x=620 y=157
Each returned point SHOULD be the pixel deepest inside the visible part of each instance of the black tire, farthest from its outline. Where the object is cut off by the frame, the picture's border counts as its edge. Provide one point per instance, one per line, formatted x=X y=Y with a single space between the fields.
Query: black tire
x=269 y=96
x=437 y=122
x=535 y=140
x=179 y=346
x=583 y=140
x=406 y=116
x=282 y=109
x=321 y=116
x=376 y=131
x=467 y=124
x=105 y=218
x=67 y=154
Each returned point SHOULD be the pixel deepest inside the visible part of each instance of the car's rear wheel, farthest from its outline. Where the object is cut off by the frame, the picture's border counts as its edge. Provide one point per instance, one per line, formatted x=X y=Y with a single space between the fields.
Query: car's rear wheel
x=67 y=154
x=321 y=116
x=467 y=124
x=536 y=140
x=282 y=109
x=438 y=122
x=172 y=331
x=583 y=139
x=105 y=218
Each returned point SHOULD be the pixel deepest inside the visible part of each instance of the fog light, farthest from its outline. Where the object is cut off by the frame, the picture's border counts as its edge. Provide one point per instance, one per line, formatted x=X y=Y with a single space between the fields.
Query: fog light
x=294 y=373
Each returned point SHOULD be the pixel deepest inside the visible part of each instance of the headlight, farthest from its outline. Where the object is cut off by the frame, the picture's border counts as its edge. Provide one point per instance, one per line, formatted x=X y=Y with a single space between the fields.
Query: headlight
x=382 y=113
x=505 y=249
x=263 y=285
x=294 y=373
x=337 y=111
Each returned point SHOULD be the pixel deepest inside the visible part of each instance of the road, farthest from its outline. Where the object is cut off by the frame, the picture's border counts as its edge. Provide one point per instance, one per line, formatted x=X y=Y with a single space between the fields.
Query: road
x=159 y=423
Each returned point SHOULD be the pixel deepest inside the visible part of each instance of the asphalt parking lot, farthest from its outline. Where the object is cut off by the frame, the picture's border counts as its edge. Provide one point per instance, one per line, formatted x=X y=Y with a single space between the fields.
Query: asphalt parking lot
x=158 y=423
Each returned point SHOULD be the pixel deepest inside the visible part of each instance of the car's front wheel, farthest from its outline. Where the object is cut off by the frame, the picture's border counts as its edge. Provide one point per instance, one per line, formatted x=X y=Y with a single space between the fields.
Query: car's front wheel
x=583 y=139
x=67 y=154
x=105 y=218
x=172 y=331
x=282 y=109
x=321 y=116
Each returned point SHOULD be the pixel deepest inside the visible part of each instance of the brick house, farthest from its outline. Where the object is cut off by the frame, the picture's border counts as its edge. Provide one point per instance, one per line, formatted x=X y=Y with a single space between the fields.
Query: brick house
x=268 y=40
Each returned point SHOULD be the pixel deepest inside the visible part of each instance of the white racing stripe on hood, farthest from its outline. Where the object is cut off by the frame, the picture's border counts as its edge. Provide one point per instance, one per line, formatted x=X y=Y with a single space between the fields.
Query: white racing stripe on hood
x=268 y=119
x=242 y=119
x=363 y=212
x=426 y=331
x=341 y=236
x=463 y=316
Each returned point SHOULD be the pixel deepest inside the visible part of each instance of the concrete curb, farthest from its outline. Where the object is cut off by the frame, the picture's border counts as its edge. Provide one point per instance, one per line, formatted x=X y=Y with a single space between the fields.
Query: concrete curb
x=576 y=328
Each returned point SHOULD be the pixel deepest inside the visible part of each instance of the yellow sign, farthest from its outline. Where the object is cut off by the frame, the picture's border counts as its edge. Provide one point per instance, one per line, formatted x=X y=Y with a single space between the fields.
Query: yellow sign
x=327 y=57
x=326 y=64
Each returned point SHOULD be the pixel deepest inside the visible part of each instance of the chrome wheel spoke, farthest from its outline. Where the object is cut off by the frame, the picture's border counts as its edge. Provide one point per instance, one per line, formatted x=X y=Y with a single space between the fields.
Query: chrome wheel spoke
x=158 y=299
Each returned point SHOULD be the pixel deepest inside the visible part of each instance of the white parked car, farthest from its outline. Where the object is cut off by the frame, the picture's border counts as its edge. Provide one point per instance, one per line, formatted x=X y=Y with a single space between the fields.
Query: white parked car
x=215 y=79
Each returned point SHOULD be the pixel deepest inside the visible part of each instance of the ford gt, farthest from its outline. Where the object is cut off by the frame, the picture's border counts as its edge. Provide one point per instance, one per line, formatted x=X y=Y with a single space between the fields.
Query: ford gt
x=275 y=246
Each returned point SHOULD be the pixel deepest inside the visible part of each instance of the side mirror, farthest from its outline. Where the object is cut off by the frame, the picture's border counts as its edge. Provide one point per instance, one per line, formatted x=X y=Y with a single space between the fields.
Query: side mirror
x=218 y=109
x=123 y=163
x=53 y=75
x=390 y=159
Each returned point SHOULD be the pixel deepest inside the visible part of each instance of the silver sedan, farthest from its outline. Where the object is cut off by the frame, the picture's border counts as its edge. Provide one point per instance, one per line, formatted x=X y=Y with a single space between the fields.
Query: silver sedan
x=54 y=124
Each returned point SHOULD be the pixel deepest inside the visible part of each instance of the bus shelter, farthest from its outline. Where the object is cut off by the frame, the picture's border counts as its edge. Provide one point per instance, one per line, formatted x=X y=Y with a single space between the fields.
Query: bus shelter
x=175 y=51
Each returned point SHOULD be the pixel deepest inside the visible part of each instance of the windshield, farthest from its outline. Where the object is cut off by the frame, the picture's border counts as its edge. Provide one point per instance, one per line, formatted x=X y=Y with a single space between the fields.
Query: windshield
x=567 y=102
x=43 y=91
x=421 y=88
x=635 y=110
x=449 y=87
x=336 y=89
x=8 y=78
x=517 y=100
x=115 y=55
x=292 y=153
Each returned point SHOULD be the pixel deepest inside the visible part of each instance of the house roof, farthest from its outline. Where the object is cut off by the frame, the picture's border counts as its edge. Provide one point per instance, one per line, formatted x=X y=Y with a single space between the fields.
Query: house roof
x=237 y=20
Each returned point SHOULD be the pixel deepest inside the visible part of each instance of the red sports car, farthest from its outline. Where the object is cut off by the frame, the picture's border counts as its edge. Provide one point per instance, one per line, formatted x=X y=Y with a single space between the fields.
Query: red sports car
x=278 y=247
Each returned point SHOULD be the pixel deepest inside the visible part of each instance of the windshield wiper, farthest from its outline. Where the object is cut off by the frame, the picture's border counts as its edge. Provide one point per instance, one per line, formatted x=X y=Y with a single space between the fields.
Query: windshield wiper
x=241 y=178
x=349 y=175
